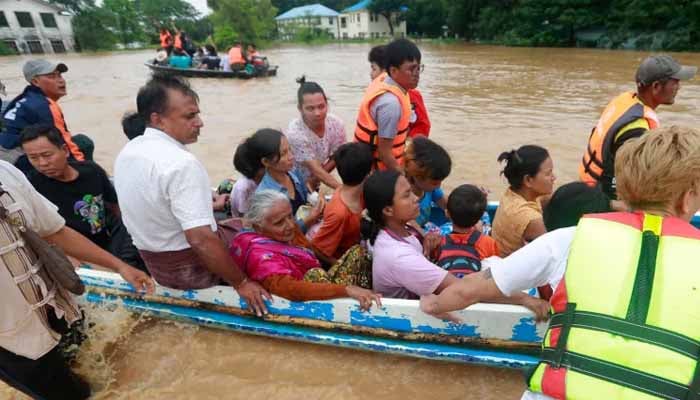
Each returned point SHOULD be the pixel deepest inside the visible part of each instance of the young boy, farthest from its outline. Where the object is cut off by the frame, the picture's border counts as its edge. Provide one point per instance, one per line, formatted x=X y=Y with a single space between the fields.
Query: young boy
x=461 y=251
x=340 y=229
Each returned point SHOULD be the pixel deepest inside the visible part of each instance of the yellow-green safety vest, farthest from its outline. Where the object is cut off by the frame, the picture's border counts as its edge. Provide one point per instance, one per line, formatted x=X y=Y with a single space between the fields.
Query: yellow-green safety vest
x=626 y=321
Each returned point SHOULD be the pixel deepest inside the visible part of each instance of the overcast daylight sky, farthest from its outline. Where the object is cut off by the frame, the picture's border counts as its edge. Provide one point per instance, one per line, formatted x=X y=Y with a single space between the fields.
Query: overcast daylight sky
x=200 y=5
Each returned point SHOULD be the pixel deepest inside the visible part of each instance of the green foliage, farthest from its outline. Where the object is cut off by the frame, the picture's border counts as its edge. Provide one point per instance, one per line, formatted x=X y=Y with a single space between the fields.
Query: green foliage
x=5 y=50
x=224 y=37
x=91 y=29
x=391 y=10
x=127 y=21
x=251 y=20
x=426 y=17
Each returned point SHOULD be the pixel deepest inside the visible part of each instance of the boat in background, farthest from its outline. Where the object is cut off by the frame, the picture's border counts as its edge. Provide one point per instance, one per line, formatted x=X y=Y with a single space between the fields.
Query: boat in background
x=211 y=73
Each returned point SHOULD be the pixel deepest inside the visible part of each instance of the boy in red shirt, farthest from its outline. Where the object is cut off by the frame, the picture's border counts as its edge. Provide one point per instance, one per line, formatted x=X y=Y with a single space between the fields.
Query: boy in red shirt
x=461 y=251
x=340 y=229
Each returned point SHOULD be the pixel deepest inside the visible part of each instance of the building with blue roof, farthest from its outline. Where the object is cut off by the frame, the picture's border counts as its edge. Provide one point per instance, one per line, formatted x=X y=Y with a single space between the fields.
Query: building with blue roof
x=315 y=16
x=357 y=22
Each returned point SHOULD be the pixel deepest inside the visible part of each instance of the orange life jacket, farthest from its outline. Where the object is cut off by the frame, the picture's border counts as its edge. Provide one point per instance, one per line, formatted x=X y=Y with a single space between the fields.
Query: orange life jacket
x=60 y=123
x=178 y=41
x=367 y=131
x=598 y=163
x=235 y=56
x=166 y=39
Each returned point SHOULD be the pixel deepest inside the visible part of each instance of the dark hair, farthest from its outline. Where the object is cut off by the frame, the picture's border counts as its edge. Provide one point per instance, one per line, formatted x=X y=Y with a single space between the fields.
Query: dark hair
x=378 y=55
x=354 y=162
x=211 y=50
x=427 y=159
x=265 y=143
x=399 y=51
x=308 y=88
x=133 y=125
x=379 y=190
x=153 y=96
x=526 y=161
x=50 y=132
x=466 y=204
x=570 y=202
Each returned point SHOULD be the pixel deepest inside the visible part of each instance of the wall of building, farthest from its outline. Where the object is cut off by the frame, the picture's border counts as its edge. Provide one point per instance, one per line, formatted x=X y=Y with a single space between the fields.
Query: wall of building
x=365 y=25
x=288 y=27
x=40 y=38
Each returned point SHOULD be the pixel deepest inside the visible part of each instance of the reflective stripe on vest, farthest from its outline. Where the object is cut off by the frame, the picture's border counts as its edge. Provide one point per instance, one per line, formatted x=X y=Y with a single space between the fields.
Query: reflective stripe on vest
x=60 y=123
x=626 y=325
x=598 y=160
x=366 y=130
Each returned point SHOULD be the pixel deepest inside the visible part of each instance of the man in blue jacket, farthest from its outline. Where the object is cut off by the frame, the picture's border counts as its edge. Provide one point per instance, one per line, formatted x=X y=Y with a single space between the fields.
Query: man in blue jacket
x=38 y=103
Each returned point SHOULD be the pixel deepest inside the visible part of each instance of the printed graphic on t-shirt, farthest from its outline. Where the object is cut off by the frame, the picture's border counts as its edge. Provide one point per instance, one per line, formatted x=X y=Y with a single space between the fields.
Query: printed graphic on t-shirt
x=92 y=210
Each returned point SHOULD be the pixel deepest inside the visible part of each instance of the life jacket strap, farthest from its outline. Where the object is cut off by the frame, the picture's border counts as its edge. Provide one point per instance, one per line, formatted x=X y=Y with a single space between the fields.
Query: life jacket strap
x=619 y=375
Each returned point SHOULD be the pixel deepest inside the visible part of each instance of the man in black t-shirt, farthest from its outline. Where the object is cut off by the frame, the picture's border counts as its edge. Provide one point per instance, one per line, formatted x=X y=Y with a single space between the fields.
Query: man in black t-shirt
x=81 y=190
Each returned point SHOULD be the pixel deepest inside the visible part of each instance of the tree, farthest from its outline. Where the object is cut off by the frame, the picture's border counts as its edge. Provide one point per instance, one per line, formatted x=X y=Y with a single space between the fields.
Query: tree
x=426 y=17
x=127 y=21
x=165 y=13
x=392 y=10
x=250 y=20
x=91 y=29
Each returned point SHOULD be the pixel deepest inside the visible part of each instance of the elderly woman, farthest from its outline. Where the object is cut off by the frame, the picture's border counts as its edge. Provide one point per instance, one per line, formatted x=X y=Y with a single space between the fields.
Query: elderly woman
x=625 y=304
x=268 y=255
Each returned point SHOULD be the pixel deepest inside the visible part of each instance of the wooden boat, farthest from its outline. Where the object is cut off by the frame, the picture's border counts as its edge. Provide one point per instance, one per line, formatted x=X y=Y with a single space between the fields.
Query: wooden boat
x=208 y=73
x=490 y=334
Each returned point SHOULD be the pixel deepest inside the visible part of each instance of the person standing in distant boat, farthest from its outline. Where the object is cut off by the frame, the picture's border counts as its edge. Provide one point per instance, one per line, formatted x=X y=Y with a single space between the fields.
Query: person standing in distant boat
x=630 y=115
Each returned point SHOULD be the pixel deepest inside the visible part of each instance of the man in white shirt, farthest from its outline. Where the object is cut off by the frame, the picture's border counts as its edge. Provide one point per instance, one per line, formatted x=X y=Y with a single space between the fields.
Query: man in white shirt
x=165 y=197
x=34 y=309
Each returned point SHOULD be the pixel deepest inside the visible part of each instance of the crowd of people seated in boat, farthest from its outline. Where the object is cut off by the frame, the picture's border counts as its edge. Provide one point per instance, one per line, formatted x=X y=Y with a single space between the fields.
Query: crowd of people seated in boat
x=388 y=228
x=179 y=51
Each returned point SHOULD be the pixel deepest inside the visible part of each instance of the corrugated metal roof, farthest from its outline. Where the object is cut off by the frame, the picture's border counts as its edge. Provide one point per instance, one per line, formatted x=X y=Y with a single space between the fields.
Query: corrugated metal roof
x=311 y=10
x=358 y=6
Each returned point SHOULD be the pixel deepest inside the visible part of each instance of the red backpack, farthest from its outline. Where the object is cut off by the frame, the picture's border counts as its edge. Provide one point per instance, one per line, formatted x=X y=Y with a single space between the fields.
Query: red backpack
x=460 y=257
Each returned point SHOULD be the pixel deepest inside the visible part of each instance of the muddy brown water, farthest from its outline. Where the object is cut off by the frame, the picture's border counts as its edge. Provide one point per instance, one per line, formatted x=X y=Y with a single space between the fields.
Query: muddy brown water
x=482 y=100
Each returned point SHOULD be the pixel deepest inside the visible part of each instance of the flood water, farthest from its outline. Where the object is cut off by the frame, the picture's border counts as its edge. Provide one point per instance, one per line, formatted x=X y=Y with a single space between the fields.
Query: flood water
x=482 y=100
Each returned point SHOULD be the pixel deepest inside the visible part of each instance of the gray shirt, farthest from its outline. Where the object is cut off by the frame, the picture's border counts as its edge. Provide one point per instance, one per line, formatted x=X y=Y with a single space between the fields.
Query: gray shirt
x=386 y=111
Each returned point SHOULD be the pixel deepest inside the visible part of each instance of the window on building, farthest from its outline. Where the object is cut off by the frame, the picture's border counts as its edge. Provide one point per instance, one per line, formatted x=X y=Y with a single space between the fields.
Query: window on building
x=3 y=20
x=345 y=35
x=25 y=19
x=330 y=21
x=12 y=45
x=343 y=22
x=48 y=20
x=35 y=47
x=361 y=35
x=58 y=46
x=358 y=18
x=317 y=21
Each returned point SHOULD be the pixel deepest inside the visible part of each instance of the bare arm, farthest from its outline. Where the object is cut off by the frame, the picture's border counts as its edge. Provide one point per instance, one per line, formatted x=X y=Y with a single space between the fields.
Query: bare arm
x=384 y=149
x=212 y=251
x=321 y=172
x=534 y=230
x=78 y=246
x=475 y=288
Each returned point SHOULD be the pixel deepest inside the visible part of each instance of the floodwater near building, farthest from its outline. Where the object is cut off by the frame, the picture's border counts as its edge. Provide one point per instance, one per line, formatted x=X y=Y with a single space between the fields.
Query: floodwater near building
x=482 y=100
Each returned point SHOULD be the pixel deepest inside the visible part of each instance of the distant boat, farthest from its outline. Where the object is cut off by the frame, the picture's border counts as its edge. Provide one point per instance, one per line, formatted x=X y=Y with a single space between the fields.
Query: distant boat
x=212 y=73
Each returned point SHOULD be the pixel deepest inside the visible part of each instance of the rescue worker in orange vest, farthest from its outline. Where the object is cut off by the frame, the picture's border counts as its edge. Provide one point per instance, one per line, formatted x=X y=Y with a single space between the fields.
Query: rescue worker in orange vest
x=385 y=112
x=177 y=42
x=625 y=323
x=38 y=103
x=629 y=115
x=166 y=40
x=236 y=58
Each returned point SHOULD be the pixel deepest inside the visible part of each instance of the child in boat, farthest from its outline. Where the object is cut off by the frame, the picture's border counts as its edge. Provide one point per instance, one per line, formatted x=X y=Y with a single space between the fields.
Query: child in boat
x=340 y=229
x=268 y=255
x=399 y=268
x=572 y=201
x=427 y=165
x=461 y=251
x=244 y=188
x=518 y=220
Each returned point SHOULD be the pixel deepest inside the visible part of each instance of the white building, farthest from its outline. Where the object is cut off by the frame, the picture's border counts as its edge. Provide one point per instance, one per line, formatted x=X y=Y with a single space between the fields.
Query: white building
x=357 y=22
x=35 y=27
x=315 y=16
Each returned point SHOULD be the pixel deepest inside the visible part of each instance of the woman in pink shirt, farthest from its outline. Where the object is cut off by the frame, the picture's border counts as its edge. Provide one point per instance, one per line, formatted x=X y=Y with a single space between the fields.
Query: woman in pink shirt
x=399 y=267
